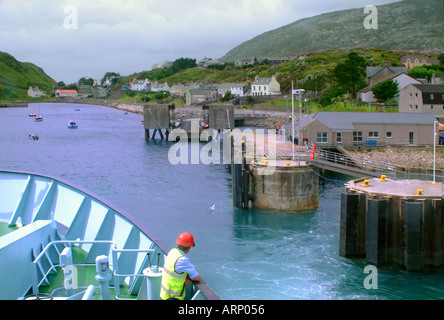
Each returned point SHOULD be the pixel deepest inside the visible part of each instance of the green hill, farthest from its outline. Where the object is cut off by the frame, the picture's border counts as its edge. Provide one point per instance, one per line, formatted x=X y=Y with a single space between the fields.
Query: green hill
x=405 y=25
x=16 y=77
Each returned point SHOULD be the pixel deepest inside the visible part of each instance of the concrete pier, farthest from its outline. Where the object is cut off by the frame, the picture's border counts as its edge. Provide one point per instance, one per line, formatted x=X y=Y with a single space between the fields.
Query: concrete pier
x=292 y=187
x=393 y=222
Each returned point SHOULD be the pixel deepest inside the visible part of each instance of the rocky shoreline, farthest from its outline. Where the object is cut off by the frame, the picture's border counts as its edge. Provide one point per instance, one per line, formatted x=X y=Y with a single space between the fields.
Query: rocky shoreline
x=410 y=157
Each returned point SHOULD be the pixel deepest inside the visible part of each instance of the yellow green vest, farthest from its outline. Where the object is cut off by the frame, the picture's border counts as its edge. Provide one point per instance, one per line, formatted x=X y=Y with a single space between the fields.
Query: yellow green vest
x=173 y=283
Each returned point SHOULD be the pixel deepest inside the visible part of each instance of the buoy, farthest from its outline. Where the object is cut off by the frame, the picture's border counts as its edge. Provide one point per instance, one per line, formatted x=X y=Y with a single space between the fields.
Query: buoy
x=383 y=178
x=314 y=147
x=312 y=155
x=419 y=192
x=365 y=184
x=266 y=162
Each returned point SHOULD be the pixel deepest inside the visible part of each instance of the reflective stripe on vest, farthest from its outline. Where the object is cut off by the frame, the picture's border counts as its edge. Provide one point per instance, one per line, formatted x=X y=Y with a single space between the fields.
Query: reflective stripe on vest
x=173 y=283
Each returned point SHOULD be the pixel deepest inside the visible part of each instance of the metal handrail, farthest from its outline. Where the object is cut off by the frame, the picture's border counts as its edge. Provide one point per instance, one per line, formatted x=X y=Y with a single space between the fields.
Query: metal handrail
x=114 y=263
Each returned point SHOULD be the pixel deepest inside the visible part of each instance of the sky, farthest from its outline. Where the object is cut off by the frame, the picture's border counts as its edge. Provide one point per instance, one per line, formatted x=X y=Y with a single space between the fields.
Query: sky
x=71 y=39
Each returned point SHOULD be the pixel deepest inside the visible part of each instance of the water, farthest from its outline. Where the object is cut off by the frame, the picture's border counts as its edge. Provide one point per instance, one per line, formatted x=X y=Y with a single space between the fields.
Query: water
x=252 y=254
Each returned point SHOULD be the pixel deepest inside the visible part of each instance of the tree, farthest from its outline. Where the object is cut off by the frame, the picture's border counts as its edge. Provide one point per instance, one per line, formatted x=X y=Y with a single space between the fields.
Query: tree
x=350 y=73
x=86 y=81
x=385 y=90
x=441 y=58
x=227 y=97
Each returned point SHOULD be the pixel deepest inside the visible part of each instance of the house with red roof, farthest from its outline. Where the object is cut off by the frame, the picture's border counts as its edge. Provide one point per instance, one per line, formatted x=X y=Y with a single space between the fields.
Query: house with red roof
x=66 y=93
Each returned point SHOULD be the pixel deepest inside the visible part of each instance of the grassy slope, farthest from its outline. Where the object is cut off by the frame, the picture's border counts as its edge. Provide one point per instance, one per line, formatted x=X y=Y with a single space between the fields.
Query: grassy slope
x=18 y=76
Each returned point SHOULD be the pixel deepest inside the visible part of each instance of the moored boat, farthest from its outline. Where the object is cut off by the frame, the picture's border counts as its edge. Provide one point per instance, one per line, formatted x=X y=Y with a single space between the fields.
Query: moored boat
x=67 y=243
x=72 y=125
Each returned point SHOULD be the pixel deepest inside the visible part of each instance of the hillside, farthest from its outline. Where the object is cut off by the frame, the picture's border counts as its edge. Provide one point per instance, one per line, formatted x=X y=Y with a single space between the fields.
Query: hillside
x=16 y=77
x=311 y=71
x=405 y=25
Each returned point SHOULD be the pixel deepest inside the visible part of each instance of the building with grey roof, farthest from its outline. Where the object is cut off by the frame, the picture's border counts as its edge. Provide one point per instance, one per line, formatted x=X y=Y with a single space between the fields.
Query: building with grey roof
x=367 y=128
x=423 y=98
x=378 y=74
x=265 y=86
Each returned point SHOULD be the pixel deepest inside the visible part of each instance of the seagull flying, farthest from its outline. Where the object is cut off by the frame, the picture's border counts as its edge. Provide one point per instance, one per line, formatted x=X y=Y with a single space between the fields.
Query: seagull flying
x=212 y=207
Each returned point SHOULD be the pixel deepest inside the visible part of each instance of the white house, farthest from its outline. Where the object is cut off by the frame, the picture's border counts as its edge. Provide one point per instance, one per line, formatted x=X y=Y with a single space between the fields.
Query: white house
x=35 y=92
x=140 y=85
x=265 y=86
x=159 y=87
x=403 y=80
x=236 y=89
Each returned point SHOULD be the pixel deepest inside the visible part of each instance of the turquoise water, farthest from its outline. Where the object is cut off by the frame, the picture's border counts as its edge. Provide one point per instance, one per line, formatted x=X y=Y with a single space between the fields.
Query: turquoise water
x=252 y=254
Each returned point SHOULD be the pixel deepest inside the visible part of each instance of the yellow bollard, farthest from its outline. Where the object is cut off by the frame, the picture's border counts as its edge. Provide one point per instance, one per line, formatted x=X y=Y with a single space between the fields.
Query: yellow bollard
x=419 y=192
x=288 y=164
x=383 y=179
x=365 y=184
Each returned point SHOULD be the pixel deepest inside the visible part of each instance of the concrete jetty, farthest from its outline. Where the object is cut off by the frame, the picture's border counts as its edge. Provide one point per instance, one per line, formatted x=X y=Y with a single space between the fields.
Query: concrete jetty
x=266 y=175
x=393 y=222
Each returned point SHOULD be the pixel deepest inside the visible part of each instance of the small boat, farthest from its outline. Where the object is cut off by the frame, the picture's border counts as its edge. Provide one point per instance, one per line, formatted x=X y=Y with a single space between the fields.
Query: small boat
x=38 y=118
x=69 y=244
x=72 y=125
x=33 y=114
x=33 y=137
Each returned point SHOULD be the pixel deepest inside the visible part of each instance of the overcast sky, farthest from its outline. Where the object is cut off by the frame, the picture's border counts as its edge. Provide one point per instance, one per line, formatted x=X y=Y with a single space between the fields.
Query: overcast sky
x=70 y=39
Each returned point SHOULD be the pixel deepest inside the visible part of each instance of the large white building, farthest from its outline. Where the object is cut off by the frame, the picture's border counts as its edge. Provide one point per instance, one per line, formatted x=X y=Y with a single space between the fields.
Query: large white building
x=265 y=86
x=140 y=85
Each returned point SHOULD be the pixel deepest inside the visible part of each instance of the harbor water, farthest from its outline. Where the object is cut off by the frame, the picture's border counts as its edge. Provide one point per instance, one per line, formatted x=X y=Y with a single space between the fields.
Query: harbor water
x=242 y=255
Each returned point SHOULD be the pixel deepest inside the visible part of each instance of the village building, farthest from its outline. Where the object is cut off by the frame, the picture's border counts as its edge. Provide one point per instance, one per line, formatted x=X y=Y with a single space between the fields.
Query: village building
x=66 y=93
x=236 y=89
x=265 y=86
x=402 y=79
x=140 y=85
x=378 y=74
x=159 y=87
x=423 y=98
x=416 y=61
x=367 y=128
x=35 y=92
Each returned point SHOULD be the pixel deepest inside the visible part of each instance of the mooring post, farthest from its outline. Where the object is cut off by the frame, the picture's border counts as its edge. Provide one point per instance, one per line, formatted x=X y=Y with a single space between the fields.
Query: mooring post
x=376 y=231
x=348 y=235
x=412 y=215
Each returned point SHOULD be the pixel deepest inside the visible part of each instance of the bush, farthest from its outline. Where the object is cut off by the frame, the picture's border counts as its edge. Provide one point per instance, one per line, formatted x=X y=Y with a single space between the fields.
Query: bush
x=325 y=101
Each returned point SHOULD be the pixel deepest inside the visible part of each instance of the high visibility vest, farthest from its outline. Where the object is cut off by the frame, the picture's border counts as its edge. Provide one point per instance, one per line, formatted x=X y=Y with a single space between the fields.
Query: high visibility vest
x=173 y=283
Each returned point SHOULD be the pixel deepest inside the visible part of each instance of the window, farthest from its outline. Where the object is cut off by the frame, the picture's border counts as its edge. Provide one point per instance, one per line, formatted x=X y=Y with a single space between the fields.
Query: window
x=388 y=135
x=373 y=134
x=321 y=137
x=411 y=95
x=411 y=107
x=339 y=137
x=416 y=106
x=432 y=96
x=357 y=136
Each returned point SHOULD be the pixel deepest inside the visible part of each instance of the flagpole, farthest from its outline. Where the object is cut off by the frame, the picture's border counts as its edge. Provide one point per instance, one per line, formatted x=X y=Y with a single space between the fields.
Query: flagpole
x=292 y=118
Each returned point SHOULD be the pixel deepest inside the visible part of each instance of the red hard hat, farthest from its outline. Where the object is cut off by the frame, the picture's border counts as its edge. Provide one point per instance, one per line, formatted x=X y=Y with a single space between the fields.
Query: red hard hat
x=186 y=239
